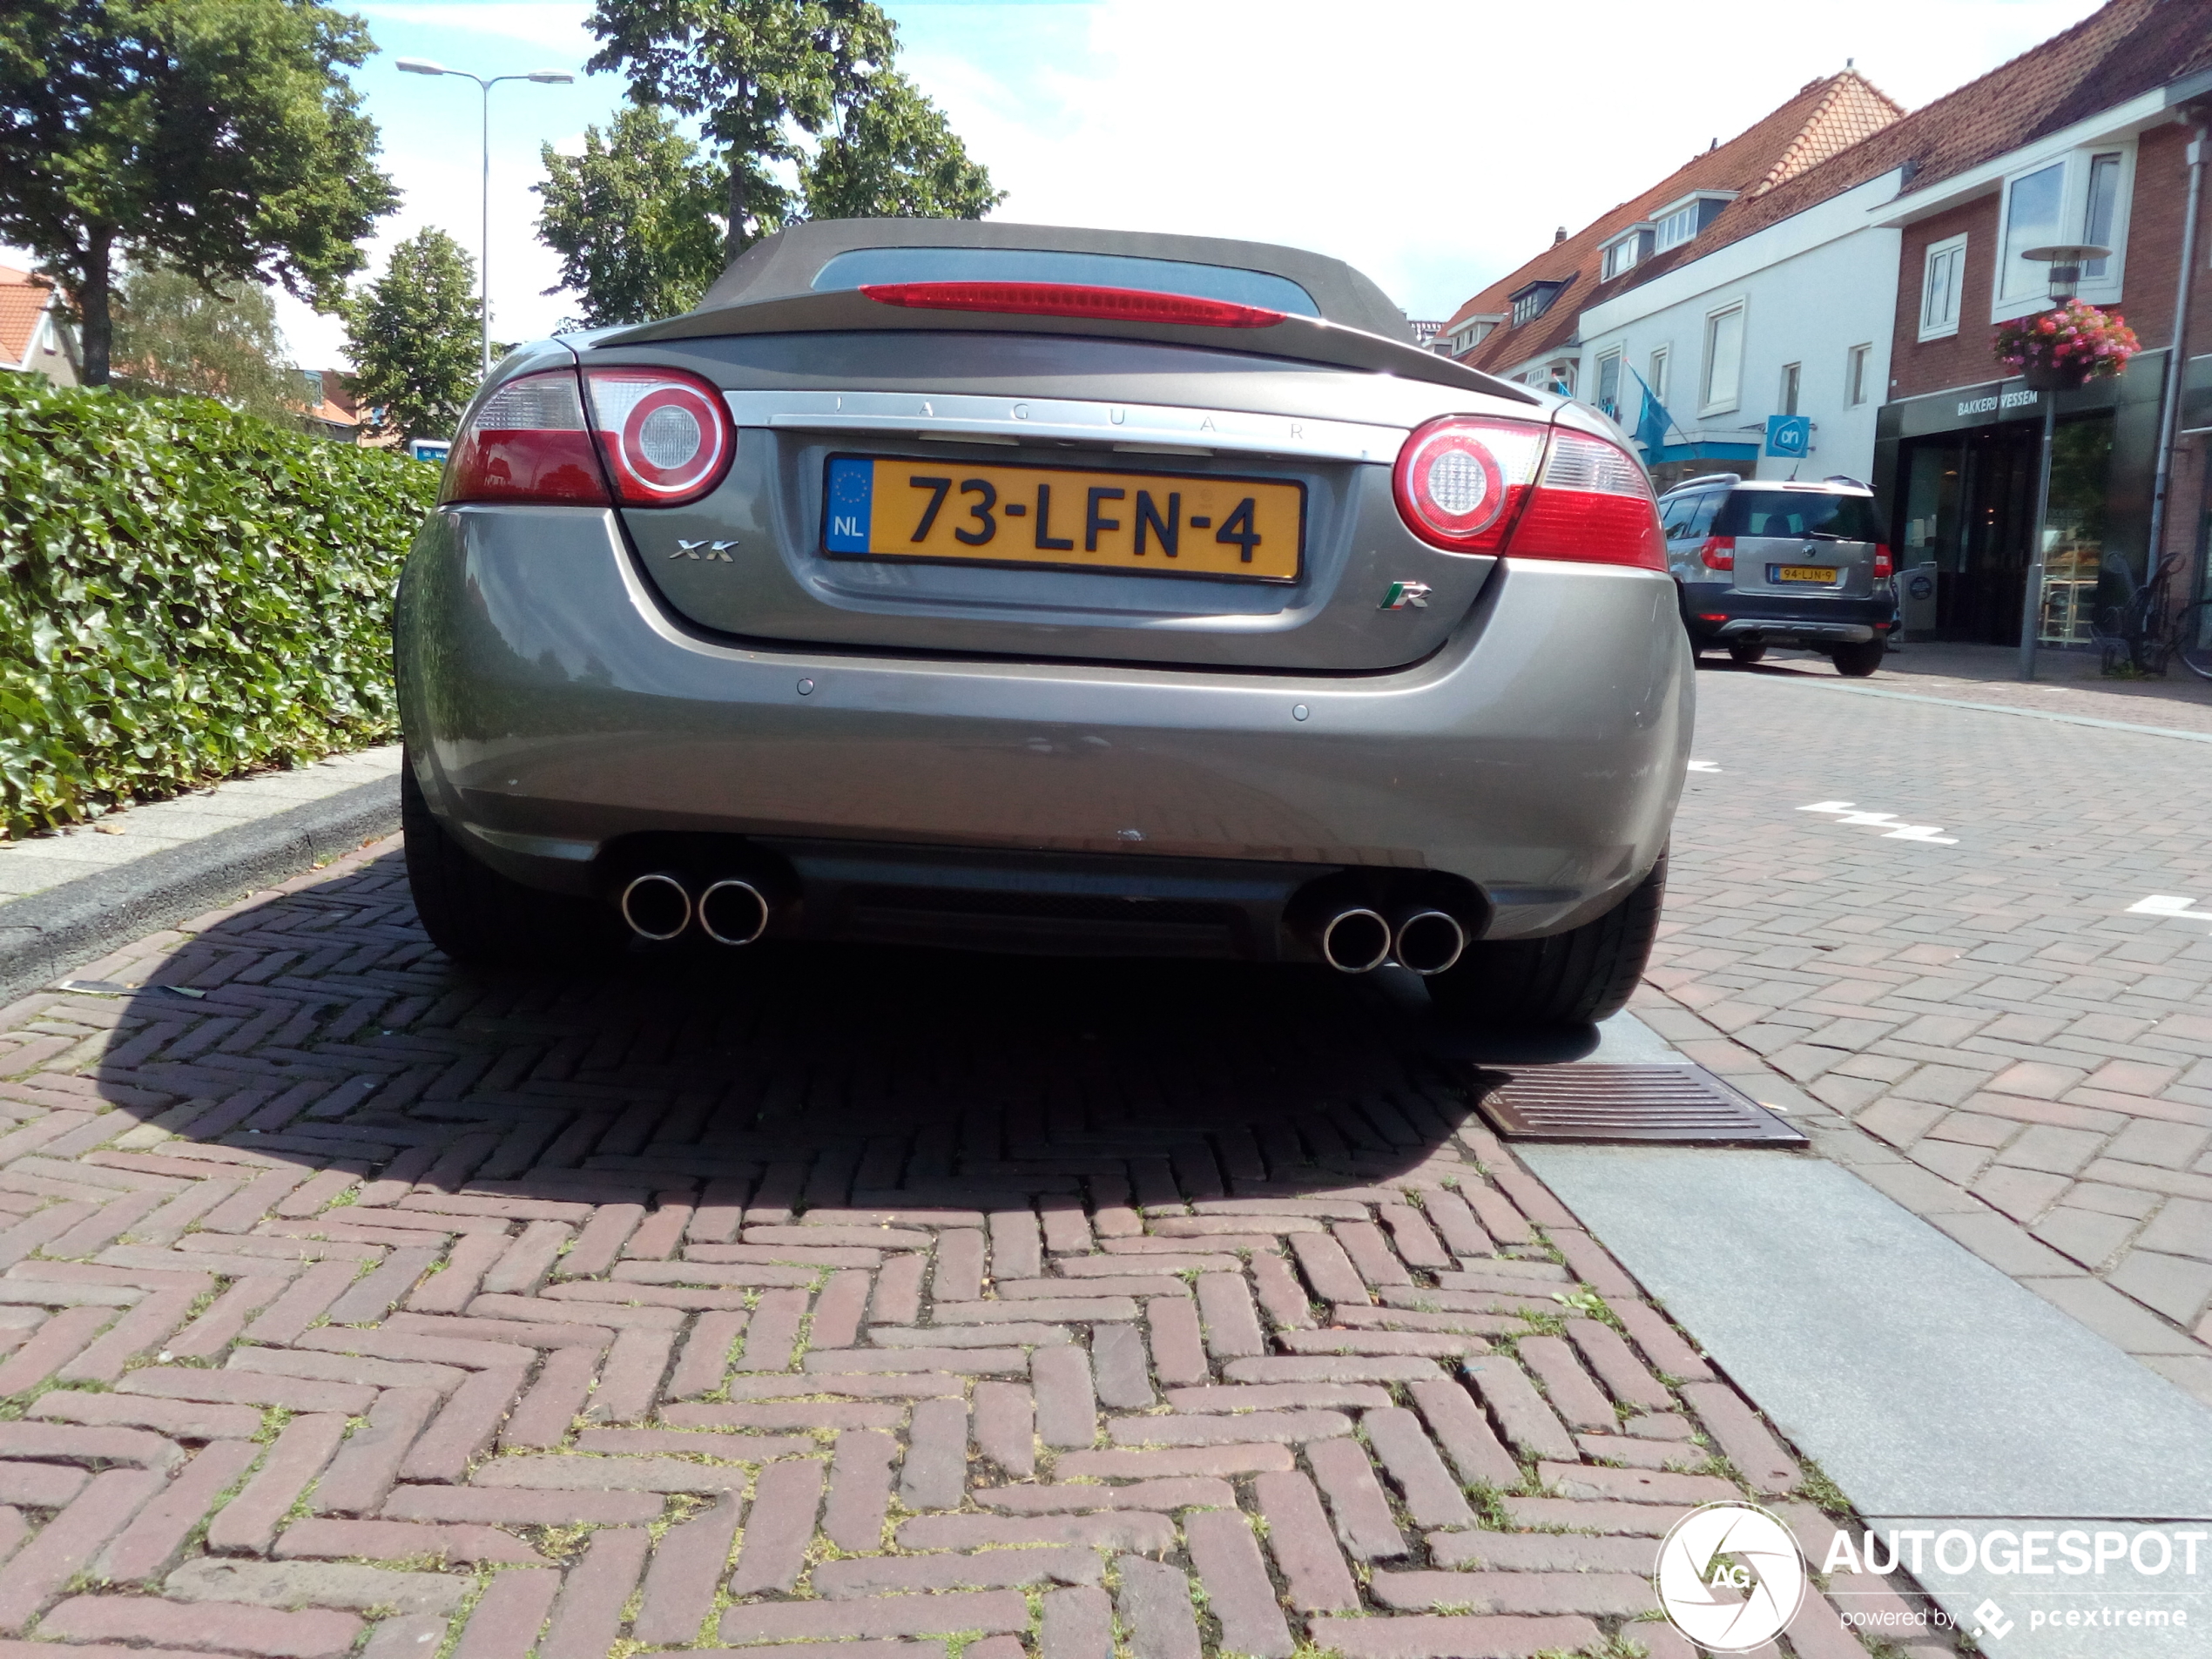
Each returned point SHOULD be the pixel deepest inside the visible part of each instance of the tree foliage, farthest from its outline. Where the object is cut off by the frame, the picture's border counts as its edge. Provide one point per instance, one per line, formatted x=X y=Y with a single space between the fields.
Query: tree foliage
x=633 y=218
x=894 y=155
x=763 y=78
x=218 y=138
x=414 y=336
x=173 y=336
x=188 y=592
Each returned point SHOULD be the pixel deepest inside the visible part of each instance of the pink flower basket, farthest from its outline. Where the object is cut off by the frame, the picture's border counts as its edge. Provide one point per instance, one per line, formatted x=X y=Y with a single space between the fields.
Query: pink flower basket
x=2067 y=346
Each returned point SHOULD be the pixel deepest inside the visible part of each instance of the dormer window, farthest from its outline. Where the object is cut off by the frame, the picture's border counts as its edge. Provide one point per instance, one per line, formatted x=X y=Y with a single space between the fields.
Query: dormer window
x=1628 y=250
x=1531 y=302
x=1679 y=221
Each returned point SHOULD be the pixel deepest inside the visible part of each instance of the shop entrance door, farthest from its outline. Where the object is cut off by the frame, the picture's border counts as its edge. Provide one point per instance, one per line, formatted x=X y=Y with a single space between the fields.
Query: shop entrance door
x=1970 y=506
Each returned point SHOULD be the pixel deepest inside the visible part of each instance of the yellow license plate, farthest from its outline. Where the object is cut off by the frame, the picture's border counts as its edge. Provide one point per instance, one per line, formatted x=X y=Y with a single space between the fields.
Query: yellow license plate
x=1804 y=573
x=1143 y=523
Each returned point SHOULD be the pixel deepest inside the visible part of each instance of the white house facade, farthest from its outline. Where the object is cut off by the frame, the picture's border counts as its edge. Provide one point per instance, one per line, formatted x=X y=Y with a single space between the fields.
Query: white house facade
x=1793 y=320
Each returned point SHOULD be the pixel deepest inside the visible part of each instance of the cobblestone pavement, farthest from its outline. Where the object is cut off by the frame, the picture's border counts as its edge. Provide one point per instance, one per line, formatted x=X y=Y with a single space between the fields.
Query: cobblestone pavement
x=1937 y=934
x=903 y=1303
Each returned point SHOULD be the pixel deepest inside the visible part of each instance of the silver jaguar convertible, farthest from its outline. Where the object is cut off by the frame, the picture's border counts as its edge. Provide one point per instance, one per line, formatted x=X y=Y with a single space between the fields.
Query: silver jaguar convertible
x=1015 y=588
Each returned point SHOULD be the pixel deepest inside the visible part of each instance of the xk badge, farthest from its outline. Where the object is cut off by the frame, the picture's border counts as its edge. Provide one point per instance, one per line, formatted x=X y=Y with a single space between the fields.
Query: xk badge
x=1406 y=595
x=714 y=550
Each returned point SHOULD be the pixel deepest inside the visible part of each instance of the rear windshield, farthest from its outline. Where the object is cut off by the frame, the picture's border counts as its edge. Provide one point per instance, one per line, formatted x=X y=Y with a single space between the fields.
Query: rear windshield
x=872 y=265
x=1797 y=512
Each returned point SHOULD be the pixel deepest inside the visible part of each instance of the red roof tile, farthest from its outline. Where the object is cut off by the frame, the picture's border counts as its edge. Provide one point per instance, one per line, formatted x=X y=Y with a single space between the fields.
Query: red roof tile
x=1826 y=115
x=2129 y=47
x=23 y=297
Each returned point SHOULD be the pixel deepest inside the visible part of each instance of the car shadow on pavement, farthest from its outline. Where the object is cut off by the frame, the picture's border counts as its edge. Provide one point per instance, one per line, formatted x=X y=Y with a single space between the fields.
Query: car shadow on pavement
x=319 y=1029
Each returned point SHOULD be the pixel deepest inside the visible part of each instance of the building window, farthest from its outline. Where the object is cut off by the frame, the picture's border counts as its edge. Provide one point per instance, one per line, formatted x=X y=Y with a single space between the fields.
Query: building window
x=1534 y=300
x=1792 y=377
x=1678 y=227
x=1857 y=365
x=1657 y=378
x=1609 y=383
x=1942 y=280
x=1560 y=378
x=1724 y=358
x=2097 y=219
x=2082 y=197
x=2031 y=206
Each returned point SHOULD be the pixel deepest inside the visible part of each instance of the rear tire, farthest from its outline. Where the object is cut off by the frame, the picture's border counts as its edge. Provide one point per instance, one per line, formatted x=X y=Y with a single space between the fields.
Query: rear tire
x=478 y=916
x=1748 y=652
x=1857 y=662
x=1575 y=978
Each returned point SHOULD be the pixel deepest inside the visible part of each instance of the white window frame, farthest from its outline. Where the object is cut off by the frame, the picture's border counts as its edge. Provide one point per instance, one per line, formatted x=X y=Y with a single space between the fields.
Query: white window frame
x=1658 y=363
x=1788 y=397
x=1943 y=327
x=1733 y=399
x=1618 y=357
x=1858 y=373
x=2074 y=203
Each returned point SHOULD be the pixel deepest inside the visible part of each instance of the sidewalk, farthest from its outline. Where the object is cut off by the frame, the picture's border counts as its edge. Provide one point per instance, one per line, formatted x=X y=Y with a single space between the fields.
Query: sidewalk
x=38 y=862
x=2067 y=682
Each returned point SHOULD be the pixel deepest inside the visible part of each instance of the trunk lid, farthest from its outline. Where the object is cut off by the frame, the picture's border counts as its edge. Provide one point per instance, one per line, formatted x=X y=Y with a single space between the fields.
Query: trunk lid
x=1034 y=496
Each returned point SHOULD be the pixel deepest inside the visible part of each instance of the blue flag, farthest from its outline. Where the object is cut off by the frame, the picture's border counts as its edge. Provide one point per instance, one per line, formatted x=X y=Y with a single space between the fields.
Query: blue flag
x=1653 y=423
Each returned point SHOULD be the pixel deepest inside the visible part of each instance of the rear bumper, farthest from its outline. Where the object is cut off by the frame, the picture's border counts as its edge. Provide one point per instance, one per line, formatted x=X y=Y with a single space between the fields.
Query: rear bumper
x=1718 y=614
x=557 y=712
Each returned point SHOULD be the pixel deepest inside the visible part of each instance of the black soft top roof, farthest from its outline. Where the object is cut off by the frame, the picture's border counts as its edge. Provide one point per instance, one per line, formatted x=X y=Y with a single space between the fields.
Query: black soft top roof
x=785 y=264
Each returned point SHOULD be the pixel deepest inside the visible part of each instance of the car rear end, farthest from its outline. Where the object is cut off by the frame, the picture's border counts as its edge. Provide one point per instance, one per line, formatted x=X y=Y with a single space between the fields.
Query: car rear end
x=889 y=602
x=1781 y=564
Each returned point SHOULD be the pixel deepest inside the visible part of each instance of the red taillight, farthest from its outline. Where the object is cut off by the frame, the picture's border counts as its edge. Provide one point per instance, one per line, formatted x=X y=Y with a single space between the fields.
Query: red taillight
x=1071 y=299
x=528 y=442
x=1594 y=505
x=1718 y=553
x=1884 y=567
x=1461 y=480
x=666 y=436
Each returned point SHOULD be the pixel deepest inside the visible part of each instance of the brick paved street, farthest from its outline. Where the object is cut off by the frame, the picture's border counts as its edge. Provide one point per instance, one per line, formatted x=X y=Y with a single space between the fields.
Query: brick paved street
x=874 y=1299
x=1980 y=1024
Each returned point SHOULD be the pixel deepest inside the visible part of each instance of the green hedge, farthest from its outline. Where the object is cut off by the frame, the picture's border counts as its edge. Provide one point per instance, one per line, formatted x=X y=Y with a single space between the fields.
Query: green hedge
x=188 y=593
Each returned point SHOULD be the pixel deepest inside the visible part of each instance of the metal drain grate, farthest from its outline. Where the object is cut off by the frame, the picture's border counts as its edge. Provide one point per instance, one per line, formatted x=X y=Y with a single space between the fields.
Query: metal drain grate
x=1677 y=1104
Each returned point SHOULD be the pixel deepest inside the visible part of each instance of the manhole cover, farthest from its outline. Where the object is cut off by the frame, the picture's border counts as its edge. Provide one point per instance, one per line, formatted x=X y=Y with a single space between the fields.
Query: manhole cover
x=1684 y=1104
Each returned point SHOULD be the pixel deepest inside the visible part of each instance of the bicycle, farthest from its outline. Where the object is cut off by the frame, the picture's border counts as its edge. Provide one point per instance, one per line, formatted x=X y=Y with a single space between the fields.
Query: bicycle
x=2147 y=632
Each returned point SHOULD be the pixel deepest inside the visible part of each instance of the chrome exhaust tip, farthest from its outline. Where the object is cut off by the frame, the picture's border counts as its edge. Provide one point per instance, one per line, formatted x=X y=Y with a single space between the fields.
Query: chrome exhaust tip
x=732 y=911
x=656 y=906
x=1355 y=940
x=1429 y=941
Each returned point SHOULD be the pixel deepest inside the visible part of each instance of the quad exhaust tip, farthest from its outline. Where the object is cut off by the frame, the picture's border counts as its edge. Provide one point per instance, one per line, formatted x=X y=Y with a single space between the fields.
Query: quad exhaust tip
x=1429 y=941
x=732 y=911
x=1355 y=940
x=656 y=906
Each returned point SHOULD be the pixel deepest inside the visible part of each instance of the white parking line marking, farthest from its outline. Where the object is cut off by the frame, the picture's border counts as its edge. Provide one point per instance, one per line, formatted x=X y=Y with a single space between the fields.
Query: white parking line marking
x=2169 y=903
x=1704 y=765
x=1894 y=828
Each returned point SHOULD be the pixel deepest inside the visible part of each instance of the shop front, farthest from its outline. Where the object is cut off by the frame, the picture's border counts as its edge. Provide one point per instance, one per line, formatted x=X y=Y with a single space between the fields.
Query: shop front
x=1955 y=475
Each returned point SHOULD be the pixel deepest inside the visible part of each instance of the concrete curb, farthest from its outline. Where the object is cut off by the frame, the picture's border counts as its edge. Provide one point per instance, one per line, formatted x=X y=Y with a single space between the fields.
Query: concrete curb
x=46 y=935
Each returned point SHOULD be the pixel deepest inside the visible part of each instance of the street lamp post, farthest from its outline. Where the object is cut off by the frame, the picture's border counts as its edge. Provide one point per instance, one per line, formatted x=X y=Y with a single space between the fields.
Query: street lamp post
x=2065 y=263
x=543 y=78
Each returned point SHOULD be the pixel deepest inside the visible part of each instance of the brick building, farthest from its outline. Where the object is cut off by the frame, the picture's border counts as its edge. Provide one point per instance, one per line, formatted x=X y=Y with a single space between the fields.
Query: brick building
x=2083 y=139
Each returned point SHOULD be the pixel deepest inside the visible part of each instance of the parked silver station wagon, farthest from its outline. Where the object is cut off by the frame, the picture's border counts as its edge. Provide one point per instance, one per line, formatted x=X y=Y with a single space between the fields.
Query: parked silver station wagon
x=1027 y=588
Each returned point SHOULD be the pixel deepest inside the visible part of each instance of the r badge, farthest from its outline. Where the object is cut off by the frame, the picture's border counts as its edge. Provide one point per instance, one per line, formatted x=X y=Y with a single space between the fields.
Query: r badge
x=1405 y=594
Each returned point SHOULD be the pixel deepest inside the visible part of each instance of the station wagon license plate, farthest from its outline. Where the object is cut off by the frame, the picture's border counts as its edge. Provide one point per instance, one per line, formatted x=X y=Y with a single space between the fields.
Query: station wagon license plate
x=1140 y=523
x=1819 y=573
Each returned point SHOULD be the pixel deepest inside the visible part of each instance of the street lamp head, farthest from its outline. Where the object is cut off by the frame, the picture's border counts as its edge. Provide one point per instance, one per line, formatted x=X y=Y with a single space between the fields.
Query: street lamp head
x=551 y=76
x=421 y=66
x=2066 y=260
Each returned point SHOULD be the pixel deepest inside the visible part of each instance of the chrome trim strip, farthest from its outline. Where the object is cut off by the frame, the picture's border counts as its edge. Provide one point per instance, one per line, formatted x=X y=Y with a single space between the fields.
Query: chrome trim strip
x=1131 y=427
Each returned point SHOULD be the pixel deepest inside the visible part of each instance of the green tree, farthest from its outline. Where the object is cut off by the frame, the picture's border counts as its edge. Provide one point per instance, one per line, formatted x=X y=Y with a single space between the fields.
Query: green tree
x=894 y=155
x=634 y=219
x=173 y=336
x=218 y=138
x=413 y=335
x=761 y=76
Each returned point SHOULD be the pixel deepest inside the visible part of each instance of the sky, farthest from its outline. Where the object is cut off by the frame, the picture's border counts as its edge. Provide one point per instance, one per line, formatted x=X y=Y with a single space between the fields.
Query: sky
x=1434 y=143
